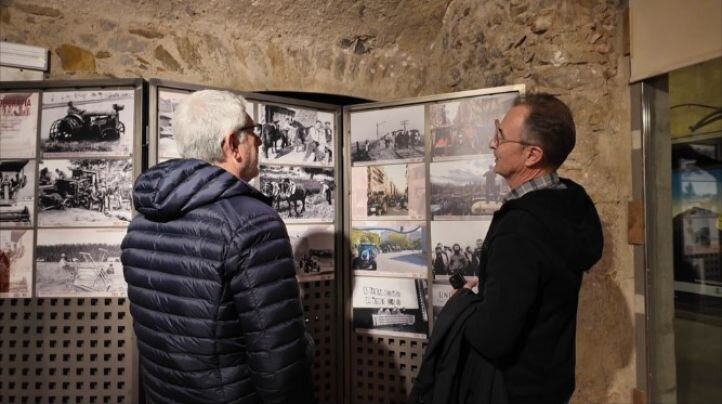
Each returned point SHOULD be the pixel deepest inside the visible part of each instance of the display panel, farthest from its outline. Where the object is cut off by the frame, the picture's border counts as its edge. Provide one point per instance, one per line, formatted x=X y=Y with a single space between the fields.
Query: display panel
x=388 y=135
x=390 y=306
x=88 y=123
x=90 y=192
x=18 y=124
x=389 y=248
x=16 y=263
x=297 y=136
x=79 y=263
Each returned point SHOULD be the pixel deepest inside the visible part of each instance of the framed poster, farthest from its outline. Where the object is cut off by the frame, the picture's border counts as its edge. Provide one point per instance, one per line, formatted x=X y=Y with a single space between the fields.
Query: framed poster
x=313 y=250
x=16 y=263
x=464 y=127
x=389 y=249
x=90 y=192
x=300 y=194
x=390 y=135
x=456 y=247
x=17 y=192
x=79 y=263
x=393 y=192
x=463 y=188
x=87 y=123
x=168 y=100
x=18 y=124
x=390 y=306
x=297 y=136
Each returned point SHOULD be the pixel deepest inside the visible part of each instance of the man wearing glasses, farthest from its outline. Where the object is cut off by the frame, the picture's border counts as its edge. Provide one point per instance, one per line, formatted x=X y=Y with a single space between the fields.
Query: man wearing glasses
x=210 y=272
x=544 y=237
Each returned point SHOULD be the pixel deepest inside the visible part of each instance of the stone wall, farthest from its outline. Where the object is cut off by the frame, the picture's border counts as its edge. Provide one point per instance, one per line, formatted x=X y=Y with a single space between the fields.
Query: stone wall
x=388 y=49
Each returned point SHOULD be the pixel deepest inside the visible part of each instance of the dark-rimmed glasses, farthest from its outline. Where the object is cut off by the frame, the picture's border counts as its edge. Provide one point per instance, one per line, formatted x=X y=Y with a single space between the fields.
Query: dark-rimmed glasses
x=500 y=140
x=256 y=129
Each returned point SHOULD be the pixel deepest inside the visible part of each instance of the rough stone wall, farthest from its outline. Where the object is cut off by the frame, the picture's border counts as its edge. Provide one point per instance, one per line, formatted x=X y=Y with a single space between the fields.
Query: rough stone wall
x=388 y=49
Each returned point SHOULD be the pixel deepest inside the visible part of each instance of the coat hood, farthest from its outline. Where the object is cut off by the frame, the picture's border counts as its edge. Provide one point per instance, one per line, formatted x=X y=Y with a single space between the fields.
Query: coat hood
x=572 y=220
x=173 y=188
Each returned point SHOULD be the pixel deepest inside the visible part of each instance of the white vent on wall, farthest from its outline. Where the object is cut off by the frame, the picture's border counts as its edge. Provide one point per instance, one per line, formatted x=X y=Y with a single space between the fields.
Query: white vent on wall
x=23 y=56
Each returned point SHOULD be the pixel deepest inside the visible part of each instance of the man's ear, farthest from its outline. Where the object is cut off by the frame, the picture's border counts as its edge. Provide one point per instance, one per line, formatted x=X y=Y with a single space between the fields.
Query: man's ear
x=230 y=146
x=535 y=157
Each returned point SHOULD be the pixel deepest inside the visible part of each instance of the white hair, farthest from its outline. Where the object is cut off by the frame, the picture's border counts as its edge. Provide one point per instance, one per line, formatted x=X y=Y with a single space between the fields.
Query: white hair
x=204 y=119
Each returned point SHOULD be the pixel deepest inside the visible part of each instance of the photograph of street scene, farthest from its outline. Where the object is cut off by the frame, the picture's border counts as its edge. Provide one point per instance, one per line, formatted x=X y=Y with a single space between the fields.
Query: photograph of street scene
x=91 y=123
x=300 y=194
x=388 y=135
x=313 y=247
x=18 y=124
x=85 y=192
x=167 y=102
x=465 y=188
x=465 y=127
x=17 y=192
x=16 y=263
x=296 y=136
x=79 y=263
x=390 y=306
x=389 y=249
x=456 y=247
x=390 y=192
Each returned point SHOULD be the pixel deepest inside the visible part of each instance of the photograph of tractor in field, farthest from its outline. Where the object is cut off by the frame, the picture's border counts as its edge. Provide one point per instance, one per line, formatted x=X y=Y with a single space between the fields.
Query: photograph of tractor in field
x=88 y=122
x=84 y=192
x=17 y=180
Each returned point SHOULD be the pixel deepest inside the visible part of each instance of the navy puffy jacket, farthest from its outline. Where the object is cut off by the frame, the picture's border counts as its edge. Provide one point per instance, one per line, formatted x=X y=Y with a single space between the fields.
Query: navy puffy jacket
x=212 y=290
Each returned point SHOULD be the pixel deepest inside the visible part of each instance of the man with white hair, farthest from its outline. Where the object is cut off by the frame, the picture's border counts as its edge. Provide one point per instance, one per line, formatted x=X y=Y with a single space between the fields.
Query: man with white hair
x=210 y=271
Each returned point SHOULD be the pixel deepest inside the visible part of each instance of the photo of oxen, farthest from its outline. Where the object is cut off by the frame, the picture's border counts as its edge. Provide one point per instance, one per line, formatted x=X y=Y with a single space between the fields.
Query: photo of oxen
x=79 y=263
x=387 y=135
x=389 y=249
x=85 y=192
x=456 y=247
x=395 y=191
x=16 y=263
x=17 y=192
x=313 y=250
x=88 y=123
x=302 y=194
x=390 y=306
x=18 y=125
x=168 y=100
x=293 y=135
x=465 y=127
x=465 y=188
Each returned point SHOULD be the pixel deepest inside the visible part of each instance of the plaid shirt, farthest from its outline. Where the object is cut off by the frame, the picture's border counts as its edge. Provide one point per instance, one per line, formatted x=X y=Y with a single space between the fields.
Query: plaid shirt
x=547 y=181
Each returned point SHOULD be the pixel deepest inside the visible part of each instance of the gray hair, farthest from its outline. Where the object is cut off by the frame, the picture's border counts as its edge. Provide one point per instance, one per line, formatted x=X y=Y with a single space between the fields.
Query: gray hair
x=204 y=119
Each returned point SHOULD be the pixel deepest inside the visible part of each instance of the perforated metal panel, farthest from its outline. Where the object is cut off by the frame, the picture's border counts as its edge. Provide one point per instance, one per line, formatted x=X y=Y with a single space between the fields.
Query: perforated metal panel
x=383 y=368
x=66 y=351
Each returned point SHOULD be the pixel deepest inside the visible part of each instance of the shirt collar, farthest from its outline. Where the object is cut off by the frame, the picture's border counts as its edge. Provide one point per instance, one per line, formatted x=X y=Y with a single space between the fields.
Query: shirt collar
x=546 y=181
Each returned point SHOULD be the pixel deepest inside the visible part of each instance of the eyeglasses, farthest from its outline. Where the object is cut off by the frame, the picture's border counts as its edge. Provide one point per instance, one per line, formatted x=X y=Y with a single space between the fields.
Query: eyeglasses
x=256 y=129
x=499 y=137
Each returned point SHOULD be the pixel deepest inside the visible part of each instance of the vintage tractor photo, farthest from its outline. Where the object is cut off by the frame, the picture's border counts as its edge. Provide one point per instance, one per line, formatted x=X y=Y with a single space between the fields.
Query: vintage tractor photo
x=81 y=125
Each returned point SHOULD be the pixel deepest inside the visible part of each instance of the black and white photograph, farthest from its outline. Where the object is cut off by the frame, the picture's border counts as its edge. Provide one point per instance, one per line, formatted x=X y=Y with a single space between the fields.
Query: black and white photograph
x=18 y=125
x=16 y=263
x=387 y=135
x=79 y=263
x=301 y=194
x=389 y=249
x=17 y=192
x=88 y=123
x=389 y=192
x=167 y=102
x=313 y=250
x=441 y=291
x=390 y=306
x=299 y=136
x=456 y=247
x=465 y=188
x=86 y=192
x=465 y=127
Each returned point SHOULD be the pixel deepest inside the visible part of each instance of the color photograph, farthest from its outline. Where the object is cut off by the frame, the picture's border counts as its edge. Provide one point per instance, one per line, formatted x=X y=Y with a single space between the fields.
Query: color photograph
x=389 y=249
x=389 y=192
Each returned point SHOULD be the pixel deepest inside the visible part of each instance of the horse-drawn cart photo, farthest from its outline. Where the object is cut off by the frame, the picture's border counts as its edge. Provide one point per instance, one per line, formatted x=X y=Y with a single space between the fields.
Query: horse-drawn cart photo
x=297 y=136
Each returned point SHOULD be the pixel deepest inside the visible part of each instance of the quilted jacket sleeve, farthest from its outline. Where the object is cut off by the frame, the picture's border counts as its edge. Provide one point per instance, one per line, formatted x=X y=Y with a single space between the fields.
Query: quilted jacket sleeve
x=266 y=295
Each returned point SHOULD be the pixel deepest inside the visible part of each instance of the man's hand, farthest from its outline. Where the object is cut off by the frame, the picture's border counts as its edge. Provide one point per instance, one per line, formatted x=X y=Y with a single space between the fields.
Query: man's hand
x=471 y=284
